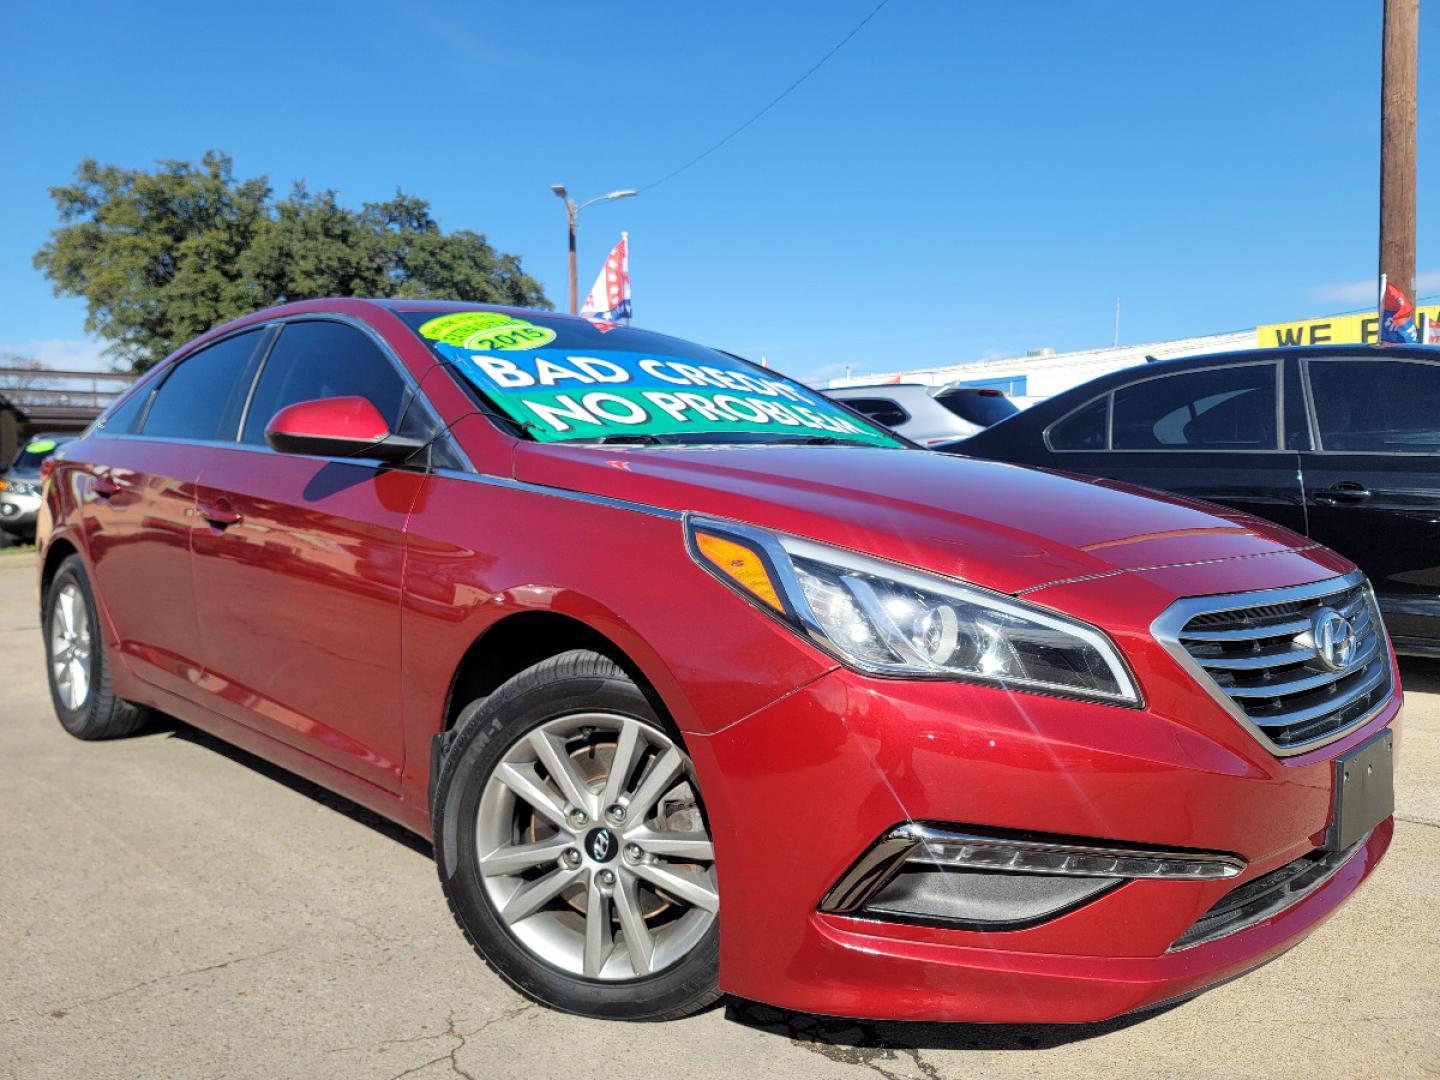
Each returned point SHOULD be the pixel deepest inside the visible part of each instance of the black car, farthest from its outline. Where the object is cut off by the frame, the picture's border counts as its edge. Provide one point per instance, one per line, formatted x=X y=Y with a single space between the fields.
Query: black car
x=1341 y=443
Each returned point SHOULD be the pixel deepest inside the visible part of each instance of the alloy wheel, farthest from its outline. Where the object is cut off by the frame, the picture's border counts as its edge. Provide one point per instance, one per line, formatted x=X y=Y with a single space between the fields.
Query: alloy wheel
x=70 y=646
x=593 y=849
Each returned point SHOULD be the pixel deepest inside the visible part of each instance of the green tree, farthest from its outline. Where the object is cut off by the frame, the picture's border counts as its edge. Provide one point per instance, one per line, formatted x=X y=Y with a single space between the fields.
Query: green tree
x=162 y=256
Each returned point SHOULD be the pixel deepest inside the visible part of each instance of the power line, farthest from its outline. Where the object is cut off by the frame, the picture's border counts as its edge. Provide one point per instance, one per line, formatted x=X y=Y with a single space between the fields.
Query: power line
x=773 y=102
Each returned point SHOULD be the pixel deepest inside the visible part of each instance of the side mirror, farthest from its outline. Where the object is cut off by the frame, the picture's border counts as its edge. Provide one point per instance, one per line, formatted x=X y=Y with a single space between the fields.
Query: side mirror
x=337 y=427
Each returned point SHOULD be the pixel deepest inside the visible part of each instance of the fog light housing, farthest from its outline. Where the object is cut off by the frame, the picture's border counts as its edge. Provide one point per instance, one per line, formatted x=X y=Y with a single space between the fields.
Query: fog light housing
x=932 y=874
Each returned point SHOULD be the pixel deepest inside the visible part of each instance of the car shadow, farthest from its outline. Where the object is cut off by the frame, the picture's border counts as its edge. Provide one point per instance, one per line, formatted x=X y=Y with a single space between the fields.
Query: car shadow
x=1420 y=673
x=160 y=724
x=869 y=1042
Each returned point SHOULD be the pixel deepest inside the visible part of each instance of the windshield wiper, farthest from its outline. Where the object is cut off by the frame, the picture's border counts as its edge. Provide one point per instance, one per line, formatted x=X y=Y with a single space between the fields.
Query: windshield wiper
x=819 y=440
x=636 y=439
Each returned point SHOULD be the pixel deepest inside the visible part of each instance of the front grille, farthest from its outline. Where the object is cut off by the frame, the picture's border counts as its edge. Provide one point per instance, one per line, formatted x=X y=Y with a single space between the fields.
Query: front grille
x=1266 y=896
x=1257 y=654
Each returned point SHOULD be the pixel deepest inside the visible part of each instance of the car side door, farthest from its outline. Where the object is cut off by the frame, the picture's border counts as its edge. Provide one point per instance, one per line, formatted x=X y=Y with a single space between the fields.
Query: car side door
x=1213 y=433
x=143 y=466
x=1372 y=480
x=298 y=563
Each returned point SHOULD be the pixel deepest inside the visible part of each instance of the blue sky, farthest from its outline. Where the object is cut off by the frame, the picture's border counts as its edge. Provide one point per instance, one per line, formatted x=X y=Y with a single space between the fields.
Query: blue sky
x=961 y=180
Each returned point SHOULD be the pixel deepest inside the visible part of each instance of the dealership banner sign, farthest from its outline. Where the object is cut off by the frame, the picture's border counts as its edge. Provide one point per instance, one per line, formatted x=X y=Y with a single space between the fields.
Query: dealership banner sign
x=558 y=394
x=1336 y=330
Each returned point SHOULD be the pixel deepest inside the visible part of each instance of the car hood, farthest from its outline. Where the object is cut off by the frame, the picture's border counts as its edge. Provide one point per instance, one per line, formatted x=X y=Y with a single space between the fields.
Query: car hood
x=1002 y=526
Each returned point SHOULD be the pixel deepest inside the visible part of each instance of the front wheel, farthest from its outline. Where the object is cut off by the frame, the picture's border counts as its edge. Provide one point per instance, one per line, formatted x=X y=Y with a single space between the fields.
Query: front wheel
x=573 y=847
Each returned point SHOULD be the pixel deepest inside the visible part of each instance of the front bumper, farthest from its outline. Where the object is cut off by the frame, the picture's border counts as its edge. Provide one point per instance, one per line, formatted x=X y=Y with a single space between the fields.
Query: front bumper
x=810 y=782
x=18 y=513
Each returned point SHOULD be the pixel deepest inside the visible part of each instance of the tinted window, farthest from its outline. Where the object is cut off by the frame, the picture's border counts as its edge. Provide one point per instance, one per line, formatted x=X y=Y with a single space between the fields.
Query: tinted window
x=1083 y=429
x=314 y=360
x=1221 y=409
x=201 y=398
x=983 y=408
x=881 y=410
x=1376 y=406
x=122 y=420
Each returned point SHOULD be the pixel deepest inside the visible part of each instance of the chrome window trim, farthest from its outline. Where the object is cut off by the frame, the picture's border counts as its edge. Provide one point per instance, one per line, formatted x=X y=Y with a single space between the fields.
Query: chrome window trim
x=1110 y=448
x=250 y=448
x=1168 y=624
x=1317 y=438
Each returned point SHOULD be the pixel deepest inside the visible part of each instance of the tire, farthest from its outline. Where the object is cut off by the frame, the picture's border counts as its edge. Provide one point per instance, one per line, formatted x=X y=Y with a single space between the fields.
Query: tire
x=660 y=898
x=75 y=660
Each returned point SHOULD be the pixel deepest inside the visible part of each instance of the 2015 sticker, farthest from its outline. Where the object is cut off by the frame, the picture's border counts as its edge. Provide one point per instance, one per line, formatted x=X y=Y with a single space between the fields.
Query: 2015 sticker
x=486 y=330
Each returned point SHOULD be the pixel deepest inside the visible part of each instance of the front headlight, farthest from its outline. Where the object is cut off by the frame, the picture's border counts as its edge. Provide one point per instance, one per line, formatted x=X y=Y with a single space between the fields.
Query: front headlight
x=889 y=620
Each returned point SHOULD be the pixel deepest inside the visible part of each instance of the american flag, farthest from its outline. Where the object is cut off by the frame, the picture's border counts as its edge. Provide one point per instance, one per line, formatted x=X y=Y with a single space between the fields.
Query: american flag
x=609 y=299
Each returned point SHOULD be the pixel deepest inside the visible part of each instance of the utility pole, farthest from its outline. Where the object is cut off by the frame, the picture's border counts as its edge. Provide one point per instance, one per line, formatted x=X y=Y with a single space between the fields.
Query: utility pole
x=1400 y=50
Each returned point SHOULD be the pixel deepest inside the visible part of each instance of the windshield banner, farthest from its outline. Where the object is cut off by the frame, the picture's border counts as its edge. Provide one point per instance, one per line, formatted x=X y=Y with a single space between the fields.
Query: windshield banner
x=564 y=394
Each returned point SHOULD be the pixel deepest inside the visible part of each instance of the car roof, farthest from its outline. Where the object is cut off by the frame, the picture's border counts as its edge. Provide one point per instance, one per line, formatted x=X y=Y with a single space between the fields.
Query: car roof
x=1138 y=372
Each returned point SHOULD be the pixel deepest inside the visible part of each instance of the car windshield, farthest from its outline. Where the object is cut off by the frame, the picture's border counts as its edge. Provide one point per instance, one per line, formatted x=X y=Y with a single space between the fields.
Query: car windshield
x=573 y=380
x=33 y=453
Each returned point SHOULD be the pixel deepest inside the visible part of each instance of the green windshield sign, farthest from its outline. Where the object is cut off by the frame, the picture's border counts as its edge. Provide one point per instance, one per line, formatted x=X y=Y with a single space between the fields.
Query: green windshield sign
x=565 y=394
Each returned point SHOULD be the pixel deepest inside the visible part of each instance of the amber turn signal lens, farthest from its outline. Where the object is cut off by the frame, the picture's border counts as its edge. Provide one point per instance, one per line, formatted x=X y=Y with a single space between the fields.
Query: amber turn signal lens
x=740 y=564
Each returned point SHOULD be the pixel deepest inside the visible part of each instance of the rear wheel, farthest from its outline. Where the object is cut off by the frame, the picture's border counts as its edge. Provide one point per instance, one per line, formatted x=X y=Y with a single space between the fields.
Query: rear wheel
x=573 y=846
x=85 y=702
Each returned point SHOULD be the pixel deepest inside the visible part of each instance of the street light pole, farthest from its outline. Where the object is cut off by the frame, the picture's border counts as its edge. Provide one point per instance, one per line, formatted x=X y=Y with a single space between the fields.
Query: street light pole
x=572 y=217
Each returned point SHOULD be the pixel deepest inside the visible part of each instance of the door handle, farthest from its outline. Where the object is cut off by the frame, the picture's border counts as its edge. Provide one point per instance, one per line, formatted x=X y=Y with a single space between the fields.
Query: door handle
x=220 y=514
x=1345 y=491
x=103 y=487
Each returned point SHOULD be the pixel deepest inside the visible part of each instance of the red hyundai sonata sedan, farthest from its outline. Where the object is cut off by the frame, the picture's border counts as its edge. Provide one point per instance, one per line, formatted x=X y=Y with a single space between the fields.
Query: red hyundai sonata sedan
x=701 y=683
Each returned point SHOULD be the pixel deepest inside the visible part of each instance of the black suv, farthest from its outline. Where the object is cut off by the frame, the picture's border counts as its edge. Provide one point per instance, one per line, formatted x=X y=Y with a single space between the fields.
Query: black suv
x=1341 y=443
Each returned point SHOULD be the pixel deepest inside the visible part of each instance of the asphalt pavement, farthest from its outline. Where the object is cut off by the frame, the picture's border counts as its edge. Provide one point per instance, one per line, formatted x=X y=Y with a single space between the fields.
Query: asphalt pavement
x=173 y=907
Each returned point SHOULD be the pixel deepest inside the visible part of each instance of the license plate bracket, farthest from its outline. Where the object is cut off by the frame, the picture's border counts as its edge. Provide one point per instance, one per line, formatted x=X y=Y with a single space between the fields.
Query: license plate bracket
x=1364 y=791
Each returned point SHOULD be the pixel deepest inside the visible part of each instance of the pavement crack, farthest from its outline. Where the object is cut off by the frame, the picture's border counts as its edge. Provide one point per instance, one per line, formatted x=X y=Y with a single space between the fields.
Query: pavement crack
x=461 y=1038
x=1418 y=820
x=171 y=975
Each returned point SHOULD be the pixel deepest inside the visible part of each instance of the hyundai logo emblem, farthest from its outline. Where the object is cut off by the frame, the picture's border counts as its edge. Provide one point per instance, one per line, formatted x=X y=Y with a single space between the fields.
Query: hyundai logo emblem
x=601 y=845
x=1335 y=643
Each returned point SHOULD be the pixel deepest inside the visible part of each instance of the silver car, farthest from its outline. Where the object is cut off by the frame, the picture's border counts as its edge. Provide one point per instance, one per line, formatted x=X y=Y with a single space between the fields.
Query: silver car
x=927 y=414
x=20 y=488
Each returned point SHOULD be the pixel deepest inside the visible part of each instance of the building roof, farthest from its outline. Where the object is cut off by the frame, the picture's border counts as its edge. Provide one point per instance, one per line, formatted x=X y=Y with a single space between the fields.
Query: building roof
x=1091 y=362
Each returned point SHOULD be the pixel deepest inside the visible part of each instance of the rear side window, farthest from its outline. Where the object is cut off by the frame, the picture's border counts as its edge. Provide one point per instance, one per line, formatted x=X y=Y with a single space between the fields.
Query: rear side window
x=984 y=408
x=1376 y=406
x=122 y=420
x=201 y=398
x=881 y=410
x=314 y=360
x=1083 y=429
x=1230 y=408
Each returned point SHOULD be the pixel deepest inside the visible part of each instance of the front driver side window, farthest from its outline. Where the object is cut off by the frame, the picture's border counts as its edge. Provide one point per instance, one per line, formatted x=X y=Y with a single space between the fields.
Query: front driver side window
x=1230 y=408
x=1376 y=406
x=318 y=359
